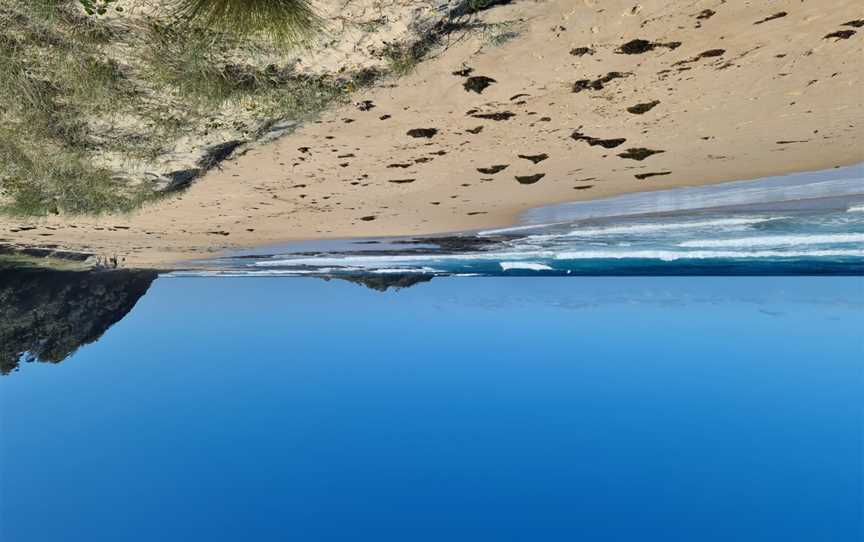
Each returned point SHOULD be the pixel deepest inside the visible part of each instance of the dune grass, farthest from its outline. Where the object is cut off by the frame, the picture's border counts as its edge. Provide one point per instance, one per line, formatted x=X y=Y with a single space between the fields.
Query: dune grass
x=93 y=108
x=192 y=61
x=53 y=78
x=63 y=92
x=289 y=22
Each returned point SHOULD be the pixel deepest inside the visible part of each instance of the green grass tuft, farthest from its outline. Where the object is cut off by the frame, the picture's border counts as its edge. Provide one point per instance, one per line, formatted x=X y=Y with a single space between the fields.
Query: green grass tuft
x=289 y=22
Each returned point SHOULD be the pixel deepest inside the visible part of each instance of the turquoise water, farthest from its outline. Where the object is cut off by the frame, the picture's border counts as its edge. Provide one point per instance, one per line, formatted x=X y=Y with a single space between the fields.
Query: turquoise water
x=481 y=408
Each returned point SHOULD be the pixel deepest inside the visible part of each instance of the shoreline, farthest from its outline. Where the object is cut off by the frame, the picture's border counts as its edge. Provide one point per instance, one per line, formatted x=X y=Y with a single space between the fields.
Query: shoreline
x=528 y=220
x=518 y=220
x=434 y=152
x=815 y=196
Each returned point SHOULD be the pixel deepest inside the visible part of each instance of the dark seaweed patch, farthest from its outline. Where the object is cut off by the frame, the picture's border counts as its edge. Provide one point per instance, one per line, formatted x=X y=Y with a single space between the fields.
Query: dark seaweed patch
x=640 y=46
x=503 y=115
x=464 y=72
x=857 y=23
x=595 y=142
x=422 y=132
x=639 y=109
x=492 y=170
x=401 y=181
x=535 y=158
x=638 y=153
x=583 y=187
x=706 y=14
x=641 y=176
x=597 y=84
x=711 y=53
x=777 y=15
x=582 y=51
x=530 y=179
x=475 y=131
x=840 y=35
x=478 y=83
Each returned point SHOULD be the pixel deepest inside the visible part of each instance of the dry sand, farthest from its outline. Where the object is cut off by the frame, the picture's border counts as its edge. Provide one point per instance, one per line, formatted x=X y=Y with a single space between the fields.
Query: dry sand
x=739 y=91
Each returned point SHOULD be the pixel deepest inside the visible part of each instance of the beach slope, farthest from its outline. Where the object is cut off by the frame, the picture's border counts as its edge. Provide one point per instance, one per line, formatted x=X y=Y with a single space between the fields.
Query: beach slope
x=530 y=104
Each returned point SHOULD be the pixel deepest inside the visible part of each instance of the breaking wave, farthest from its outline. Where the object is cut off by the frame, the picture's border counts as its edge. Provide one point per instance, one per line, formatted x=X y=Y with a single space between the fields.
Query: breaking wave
x=776 y=241
x=530 y=266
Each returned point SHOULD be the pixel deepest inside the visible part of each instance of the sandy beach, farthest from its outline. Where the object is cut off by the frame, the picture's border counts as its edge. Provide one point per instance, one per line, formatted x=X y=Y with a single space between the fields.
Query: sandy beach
x=588 y=99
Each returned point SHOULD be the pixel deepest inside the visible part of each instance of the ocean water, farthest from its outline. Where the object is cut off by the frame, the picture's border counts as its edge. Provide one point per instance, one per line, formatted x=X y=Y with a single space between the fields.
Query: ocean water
x=805 y=224
x=465 y=408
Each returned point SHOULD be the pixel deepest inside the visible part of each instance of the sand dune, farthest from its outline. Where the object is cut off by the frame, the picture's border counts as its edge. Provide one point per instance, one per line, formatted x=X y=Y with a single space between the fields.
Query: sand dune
x=591 y=99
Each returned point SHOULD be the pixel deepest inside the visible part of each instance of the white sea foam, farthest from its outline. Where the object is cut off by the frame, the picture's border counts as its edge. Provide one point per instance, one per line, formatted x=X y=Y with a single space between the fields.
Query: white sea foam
x=672 y=226
x=399 y=259
x=517 y=228
x=671 y=255
x=247 y=273
x=855 y=209
x=776 y=241
x=531 y=266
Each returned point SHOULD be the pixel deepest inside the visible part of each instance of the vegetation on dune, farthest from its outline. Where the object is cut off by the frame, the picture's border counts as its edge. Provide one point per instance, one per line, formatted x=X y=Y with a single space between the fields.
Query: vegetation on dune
x=101 y=105
x=286 y=21
x=81 y=93
x=50 y=84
